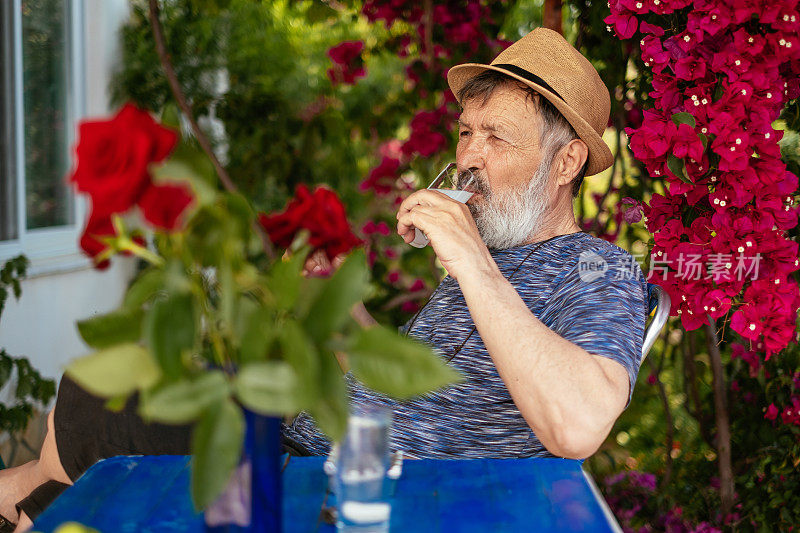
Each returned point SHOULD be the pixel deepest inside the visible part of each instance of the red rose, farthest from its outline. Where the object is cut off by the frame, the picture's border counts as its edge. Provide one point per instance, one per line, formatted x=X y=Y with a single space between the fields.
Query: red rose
x=91 y=241
x=162 y=205
x=114 y=155
x=321 y=213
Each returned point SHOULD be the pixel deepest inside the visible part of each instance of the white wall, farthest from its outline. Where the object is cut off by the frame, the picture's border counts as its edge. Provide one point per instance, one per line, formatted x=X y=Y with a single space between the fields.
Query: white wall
x=61 y=289
x=41 y=325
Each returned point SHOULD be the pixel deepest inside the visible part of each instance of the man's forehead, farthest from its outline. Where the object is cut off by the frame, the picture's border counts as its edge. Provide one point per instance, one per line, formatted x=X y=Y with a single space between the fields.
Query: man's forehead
x=506 y=107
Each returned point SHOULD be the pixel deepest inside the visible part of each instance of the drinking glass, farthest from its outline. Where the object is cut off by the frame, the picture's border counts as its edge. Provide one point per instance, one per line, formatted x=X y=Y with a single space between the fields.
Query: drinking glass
x=454 y=184
x=361 y=465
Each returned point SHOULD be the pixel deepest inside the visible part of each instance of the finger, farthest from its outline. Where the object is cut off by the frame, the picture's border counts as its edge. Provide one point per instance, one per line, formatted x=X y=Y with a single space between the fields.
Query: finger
x=316 y=262
x=424 y=197
x=422 y=218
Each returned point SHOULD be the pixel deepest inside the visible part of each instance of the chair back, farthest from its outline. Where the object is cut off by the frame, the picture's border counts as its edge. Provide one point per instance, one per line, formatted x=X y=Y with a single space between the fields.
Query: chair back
x=658 y=305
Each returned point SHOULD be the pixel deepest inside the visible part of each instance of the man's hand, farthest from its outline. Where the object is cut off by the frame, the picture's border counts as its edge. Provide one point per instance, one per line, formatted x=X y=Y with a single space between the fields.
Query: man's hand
x=318 y=265
x=450 y=228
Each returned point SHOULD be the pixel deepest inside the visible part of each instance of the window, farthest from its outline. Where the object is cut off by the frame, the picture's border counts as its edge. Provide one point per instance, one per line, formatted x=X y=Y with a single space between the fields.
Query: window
x=41 y=72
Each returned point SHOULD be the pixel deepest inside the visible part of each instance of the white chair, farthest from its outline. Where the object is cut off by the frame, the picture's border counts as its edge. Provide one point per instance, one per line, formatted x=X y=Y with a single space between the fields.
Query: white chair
x=658 y=303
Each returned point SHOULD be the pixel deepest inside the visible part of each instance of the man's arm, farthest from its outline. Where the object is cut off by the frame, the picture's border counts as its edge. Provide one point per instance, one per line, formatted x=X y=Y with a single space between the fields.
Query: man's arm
x=569 y=397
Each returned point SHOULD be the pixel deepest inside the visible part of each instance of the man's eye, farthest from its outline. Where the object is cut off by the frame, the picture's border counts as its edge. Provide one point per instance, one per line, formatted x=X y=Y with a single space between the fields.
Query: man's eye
x=464 y=133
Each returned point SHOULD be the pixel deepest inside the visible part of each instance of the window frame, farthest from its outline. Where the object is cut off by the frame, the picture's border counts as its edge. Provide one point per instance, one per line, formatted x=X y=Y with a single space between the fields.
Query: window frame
x=52 y=249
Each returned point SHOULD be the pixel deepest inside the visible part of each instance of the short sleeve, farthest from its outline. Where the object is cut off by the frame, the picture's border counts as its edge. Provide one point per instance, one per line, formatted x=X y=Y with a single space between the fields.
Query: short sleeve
x=600 y=304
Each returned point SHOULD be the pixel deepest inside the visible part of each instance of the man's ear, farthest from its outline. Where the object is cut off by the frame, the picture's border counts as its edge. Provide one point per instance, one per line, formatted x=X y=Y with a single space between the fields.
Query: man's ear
x=571 y=159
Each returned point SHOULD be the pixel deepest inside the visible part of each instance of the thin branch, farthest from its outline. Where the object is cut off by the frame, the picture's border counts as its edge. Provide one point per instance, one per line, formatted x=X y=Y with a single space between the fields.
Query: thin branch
x=722 y=418
x=694 y=406
x=427 y=26
x=400 y=299
x=186 y=109
x=551 y=15
x=670 y=430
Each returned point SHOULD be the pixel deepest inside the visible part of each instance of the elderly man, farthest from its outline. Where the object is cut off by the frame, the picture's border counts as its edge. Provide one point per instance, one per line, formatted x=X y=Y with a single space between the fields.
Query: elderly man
x=545 y=322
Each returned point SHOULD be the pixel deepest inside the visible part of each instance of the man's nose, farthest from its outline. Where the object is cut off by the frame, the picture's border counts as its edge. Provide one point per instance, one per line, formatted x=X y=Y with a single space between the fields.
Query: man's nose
x=471 y=155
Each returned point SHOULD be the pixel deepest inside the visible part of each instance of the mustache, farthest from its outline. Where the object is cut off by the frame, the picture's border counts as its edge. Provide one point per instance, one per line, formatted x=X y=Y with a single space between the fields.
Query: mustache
x=480 y=184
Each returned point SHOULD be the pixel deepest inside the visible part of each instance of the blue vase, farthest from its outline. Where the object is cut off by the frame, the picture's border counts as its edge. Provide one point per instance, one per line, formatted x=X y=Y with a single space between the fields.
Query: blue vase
x=252 y=499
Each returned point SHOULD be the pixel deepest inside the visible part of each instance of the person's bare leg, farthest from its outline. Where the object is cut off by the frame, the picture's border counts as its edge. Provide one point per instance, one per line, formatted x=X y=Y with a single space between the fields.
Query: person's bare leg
x=24 y=523
x=16 y=483
x=49 y=460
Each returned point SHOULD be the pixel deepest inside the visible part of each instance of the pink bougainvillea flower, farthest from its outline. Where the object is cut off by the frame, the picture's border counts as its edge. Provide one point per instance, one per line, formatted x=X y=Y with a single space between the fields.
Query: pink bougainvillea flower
x=771 y=412
x=624 y=24
x=424 y=138
x=686 y=143
x=348 y=65
x=652 y=29
x=631 y=209
x=690 y=68
x=382 y=179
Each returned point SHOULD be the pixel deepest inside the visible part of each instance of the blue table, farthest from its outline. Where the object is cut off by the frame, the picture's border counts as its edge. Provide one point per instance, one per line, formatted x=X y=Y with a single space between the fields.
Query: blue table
x=151 y=494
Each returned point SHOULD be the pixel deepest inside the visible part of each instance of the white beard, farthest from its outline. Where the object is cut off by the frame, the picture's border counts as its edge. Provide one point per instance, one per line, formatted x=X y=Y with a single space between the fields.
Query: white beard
x=511 y=217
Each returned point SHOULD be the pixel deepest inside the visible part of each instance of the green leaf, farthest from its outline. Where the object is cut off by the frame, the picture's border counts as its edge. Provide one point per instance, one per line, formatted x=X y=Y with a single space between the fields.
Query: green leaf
x=397 y=366
x=217 y=442
x=123 y=325
x=285 y=279
x=677 y=167
x=331 y=308
x=183 y=401
x=684 y=118
x=115 y=371
x=6 y=365
x=256 y=332
x=331 y=410
x=171 y=116
x=703 y=139
x=302 y=355
x=188 y=164
x=309 y=292
x=117 y=403
x=170 y=331
x=144 y=288
x=268 y=387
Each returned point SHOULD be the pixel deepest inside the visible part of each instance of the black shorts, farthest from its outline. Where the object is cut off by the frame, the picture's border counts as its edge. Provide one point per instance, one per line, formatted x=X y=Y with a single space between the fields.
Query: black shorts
x=86 y=431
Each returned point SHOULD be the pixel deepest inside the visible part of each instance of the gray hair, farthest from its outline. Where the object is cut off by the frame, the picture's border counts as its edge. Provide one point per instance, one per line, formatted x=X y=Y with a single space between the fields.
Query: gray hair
x=554 y=131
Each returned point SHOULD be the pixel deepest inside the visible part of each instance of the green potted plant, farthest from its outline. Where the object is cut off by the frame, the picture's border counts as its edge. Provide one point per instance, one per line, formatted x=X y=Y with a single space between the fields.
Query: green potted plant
x=220 y=323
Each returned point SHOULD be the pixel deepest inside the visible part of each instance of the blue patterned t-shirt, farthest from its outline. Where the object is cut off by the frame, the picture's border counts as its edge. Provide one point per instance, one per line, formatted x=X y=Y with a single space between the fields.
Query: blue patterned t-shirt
x=587 y=290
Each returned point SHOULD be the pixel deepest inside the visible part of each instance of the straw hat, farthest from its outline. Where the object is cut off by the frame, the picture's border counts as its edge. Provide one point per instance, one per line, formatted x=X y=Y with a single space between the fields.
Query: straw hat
x=545 y=61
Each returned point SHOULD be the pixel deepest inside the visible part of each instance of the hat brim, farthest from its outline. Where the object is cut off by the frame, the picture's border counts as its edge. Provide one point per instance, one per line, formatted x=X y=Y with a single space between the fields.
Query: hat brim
x=600 y=157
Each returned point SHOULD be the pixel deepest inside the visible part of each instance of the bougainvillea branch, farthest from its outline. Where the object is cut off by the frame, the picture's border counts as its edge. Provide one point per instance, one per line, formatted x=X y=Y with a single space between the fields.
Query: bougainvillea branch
x=721 y=75
x=722 y=419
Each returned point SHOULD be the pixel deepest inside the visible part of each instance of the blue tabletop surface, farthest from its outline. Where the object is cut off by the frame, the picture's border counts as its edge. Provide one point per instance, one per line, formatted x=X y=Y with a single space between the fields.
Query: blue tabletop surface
x=151 y=493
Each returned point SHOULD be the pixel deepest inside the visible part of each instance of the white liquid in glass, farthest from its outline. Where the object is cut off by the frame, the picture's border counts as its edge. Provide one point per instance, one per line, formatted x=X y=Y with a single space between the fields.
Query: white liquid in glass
x=420 y=240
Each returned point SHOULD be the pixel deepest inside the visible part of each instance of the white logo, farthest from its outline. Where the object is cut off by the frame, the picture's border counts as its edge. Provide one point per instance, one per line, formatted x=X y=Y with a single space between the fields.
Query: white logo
x=591 y=266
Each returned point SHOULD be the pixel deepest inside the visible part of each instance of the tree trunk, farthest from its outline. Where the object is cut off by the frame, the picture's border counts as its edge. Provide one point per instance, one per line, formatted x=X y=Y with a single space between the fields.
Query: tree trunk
x=551 y=15
x=722 y=421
